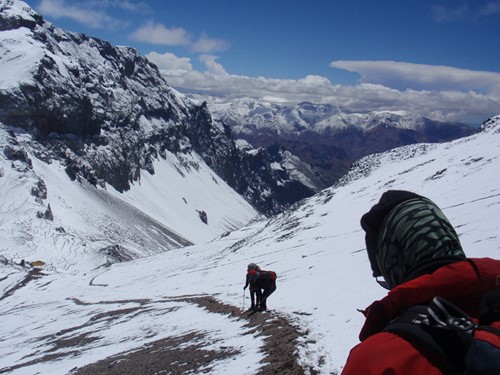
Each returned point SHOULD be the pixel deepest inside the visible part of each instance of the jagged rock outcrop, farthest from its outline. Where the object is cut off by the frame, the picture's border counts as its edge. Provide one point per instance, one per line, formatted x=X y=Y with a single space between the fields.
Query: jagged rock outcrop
x=106 y=112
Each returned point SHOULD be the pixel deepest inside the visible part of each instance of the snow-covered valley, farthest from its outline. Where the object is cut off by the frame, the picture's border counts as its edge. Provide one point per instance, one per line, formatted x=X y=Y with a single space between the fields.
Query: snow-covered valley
x=128 y=216
x=76 y=311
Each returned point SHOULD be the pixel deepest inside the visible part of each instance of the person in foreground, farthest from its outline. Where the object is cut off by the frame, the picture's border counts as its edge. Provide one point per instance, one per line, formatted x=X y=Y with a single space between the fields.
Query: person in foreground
x=413 y=246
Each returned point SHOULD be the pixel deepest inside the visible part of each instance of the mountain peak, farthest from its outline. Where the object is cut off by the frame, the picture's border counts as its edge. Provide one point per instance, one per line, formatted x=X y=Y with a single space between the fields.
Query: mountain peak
x=16 y=14
x=492 y=124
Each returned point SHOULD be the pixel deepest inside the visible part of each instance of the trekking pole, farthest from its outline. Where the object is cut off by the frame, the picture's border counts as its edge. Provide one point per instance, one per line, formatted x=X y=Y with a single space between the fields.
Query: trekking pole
x=243 y=300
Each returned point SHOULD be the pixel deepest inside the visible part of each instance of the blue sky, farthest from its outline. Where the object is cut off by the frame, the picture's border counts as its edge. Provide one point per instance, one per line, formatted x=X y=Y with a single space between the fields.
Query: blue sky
x=436 y=58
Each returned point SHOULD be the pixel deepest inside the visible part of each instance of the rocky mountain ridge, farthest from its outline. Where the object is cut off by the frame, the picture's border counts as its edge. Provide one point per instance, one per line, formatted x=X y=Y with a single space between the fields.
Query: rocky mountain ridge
x=328 y=137
x=107 y=113
x=247 y=115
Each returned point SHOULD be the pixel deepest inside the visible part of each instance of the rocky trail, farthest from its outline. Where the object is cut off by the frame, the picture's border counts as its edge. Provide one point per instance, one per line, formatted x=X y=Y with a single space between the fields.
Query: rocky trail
x=172 y=355
x=180 y=355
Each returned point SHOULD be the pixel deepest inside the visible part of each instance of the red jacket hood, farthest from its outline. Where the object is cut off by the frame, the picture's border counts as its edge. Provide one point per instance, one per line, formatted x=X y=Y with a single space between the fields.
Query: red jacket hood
x=462 y=283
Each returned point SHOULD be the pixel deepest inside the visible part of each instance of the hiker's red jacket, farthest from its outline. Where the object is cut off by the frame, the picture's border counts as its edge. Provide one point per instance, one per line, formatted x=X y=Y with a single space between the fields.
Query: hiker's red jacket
x=383 y=353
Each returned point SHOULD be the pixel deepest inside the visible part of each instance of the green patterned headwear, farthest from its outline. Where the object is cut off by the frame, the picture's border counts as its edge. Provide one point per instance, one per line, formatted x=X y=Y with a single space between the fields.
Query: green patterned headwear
x=414 y=233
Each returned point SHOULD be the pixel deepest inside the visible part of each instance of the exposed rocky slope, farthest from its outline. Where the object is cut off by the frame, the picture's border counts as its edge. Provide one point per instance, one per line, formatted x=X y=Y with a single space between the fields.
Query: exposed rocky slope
x=107 y=113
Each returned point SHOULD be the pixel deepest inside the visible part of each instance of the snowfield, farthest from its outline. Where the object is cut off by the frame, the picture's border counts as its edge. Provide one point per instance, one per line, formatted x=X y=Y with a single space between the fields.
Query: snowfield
x=151 y=280
x=80 y=307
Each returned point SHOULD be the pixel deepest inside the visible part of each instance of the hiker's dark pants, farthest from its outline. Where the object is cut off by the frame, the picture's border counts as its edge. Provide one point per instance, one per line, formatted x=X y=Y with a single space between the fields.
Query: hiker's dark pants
x=266 y=292
x=255 y=291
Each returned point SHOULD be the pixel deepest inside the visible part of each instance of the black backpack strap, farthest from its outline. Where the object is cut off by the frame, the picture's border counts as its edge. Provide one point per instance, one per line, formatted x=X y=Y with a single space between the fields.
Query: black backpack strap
x=490 y=308
x=439 y=345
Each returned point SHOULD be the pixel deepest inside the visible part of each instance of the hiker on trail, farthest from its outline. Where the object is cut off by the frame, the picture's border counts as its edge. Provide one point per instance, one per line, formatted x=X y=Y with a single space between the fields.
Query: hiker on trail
x=262 y=285
x=413 y=246
x=254 y=290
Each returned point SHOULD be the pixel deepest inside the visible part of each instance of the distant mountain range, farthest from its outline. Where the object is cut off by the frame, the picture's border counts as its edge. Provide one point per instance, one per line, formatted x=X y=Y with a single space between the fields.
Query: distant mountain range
x=328 y=137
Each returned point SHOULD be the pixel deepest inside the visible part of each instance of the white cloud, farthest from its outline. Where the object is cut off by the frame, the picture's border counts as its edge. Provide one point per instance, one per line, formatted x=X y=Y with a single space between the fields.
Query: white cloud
x=131 y=6
x=93 y=13
x=169 y=64
x=403 y=75
x=213 y=67
x=443 y=14
x=161 y=35
x=95 y=18
x=206 y=44
x=490 y=9
x=444 y=104
x=465 y=12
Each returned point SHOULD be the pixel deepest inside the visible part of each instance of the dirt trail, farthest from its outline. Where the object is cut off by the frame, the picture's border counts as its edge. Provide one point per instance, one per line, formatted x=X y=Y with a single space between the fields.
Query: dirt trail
x=172 y=355
x=167 y=356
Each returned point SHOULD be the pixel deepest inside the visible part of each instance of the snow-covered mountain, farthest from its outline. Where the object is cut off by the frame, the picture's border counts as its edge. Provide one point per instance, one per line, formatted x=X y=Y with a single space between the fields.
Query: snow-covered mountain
x=62 y=316
x=106 y=114
x=328 y=137
x=105 y=184
x=78 y=108
x=249 y=116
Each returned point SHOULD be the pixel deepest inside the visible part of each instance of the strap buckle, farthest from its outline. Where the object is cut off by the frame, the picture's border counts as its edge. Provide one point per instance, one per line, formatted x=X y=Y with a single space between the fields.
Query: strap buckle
x=447 y=315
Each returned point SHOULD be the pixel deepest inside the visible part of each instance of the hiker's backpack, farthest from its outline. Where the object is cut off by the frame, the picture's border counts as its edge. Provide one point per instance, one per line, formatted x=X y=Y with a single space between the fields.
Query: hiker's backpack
x=268 y=275
x=450 y=339
x=262 y=275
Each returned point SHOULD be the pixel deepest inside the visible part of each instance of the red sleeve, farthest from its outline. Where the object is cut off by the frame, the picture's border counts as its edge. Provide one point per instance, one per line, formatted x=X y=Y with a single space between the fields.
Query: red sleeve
x=387 y=354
